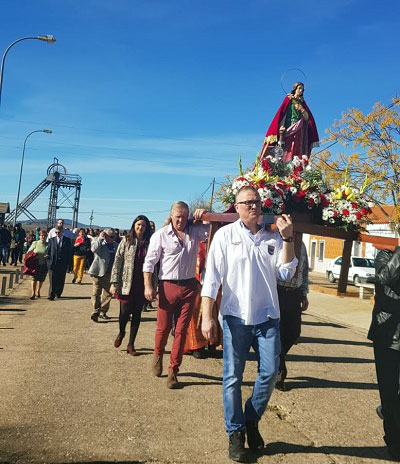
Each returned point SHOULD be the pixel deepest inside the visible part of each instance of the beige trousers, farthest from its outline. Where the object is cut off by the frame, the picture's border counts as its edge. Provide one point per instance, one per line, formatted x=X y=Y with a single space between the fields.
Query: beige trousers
x=101 y=295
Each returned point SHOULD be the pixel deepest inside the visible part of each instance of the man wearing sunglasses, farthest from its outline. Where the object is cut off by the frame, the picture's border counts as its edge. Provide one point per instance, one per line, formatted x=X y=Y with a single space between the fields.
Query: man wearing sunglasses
x=246 y=260
x=59 y=253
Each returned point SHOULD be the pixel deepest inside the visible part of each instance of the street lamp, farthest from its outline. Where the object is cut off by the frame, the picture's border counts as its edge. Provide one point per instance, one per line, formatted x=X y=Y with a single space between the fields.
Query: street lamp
x=45 y=38
x=47 y=131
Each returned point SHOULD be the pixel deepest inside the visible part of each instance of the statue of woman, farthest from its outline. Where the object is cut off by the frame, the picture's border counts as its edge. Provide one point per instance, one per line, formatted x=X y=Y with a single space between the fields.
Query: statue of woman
x=293 y=127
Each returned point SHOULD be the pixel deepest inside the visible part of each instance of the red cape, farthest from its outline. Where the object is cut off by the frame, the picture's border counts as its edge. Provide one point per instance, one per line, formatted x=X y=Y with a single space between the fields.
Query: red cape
x=273 y=131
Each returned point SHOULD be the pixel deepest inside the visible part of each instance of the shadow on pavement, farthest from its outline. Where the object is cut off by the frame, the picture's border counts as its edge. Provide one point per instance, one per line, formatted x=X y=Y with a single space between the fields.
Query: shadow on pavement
x=330 y=341
x=323 y=324
x=372 y=452
x=312 y=382
x=327 y=359
x=148 y=319
x=13 y=310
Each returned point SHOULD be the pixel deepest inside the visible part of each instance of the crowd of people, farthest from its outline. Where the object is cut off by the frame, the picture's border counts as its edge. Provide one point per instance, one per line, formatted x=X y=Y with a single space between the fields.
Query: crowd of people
x=250 y=293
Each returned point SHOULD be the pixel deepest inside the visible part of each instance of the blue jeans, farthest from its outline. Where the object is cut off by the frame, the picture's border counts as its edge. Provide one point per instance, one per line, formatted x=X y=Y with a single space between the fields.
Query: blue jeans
x=238 y=338
x=3 y=253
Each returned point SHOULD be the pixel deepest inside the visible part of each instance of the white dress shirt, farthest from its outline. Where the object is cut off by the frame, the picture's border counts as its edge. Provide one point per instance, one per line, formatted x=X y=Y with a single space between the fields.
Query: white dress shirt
x=67 y=233
x=177 y=261
x=247 y=266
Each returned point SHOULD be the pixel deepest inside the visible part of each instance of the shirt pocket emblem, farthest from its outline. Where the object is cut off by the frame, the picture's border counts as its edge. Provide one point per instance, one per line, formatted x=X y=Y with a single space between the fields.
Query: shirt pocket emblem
x=271 y=249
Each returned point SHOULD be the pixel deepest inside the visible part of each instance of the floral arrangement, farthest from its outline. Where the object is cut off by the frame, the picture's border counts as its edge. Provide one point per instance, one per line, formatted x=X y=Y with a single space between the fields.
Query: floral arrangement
x=297 y=186
x=347 y=207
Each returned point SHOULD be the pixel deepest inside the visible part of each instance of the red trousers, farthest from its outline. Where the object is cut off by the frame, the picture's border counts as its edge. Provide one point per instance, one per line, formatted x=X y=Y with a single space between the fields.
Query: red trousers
x=179 y=300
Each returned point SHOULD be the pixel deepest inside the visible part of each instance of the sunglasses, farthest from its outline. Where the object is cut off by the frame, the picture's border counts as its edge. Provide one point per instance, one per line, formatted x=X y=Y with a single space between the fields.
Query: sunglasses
x=250 y=203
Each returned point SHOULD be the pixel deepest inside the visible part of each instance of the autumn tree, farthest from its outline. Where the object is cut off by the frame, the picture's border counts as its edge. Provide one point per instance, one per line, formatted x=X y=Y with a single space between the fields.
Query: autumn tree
x=373 y=141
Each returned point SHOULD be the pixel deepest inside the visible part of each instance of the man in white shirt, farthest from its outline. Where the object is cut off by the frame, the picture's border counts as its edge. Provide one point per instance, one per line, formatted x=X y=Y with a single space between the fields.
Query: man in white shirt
x=247 y=261
x=175 y=246
x=67 y=232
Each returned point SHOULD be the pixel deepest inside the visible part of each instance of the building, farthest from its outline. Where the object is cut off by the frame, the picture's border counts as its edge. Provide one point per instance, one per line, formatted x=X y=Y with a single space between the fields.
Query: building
x=323 y=250
x=4 y=209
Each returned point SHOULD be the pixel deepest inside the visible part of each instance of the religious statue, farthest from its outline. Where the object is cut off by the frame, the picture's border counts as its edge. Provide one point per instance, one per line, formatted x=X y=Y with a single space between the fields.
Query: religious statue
x=292 y=131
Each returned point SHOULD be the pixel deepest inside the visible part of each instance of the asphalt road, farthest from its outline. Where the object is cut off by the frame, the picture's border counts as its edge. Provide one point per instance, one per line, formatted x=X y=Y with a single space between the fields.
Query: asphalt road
x=68 y=396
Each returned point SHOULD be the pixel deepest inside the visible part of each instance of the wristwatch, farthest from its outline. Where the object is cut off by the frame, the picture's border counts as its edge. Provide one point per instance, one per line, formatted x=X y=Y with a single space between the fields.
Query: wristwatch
x=289 y=239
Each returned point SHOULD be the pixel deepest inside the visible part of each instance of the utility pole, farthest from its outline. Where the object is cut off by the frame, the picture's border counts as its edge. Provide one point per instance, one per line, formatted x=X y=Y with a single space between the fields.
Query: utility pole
x=91 y=219
x=212 y=194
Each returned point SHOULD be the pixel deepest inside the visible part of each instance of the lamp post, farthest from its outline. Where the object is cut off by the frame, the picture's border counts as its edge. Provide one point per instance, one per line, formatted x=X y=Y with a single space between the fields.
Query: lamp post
x=47 y=131
x=45 y=38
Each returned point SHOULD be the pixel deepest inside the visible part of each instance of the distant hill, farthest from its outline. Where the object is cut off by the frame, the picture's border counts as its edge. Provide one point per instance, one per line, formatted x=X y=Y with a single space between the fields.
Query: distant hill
x=42 y=223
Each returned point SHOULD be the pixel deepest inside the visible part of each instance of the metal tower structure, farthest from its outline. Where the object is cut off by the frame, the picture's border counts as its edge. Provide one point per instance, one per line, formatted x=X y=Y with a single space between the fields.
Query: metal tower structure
x=65 y=191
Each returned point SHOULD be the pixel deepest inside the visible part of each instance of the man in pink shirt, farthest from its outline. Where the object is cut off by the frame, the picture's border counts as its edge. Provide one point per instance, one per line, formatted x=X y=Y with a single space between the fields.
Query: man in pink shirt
x=175 y=246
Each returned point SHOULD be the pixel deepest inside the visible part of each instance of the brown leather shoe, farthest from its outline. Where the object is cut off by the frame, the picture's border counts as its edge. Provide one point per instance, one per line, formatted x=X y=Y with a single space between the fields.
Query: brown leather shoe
x=172 y=380
x=130 y=350
x=157 y=366
x=118 y=340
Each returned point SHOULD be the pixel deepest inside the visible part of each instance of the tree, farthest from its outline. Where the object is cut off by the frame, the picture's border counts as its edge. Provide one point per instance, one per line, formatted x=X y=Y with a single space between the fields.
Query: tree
x=375 y=139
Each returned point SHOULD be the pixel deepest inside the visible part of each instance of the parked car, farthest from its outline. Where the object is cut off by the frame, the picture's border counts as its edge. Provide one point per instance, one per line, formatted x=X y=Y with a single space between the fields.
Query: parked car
x=361 y=270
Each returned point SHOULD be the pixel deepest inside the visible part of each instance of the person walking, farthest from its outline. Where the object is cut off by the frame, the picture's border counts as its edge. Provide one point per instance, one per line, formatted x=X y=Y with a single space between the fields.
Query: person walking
x=103 y=248
x=127 y=279
x=175 y=246
x=385 y=335
x=246 y=260
x=58 y=257
x=292 y=302
x=81 y=249
x=40 y=248
x=5 y=240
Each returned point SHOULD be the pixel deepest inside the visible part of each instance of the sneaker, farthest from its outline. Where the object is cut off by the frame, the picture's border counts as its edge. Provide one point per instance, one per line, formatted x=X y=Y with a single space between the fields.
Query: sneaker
x=172 y=381
x=379 y=411
x=254 y=438
x=157 y=366
x=237 y=451
x=95 y=316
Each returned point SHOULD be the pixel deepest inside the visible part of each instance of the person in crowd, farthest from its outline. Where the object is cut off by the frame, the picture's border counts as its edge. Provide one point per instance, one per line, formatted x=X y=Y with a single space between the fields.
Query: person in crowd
x=385 y=335
x=292 y=302
x=117 y=236
x=175 y=246
x=103 y=248
x=5 y=240
x=246 y=260
x=40 y=248
x=37 y=233
x=29 y=239
x=17 y=244
x=10 y=229
x=81 y=248
x=67 y=233
x=147 y=305
x=127 y=279
x=59 y=252
x=152 y=227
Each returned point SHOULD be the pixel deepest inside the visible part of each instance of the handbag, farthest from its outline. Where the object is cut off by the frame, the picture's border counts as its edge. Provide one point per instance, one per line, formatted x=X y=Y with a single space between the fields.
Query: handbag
x=31 y=263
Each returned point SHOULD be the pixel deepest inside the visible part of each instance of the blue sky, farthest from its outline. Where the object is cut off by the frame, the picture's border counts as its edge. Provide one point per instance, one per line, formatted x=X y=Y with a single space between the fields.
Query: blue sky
x=148 y=101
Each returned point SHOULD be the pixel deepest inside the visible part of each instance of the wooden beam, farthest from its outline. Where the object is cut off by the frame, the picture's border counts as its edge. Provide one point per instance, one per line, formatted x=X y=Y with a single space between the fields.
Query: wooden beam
x=344 y=270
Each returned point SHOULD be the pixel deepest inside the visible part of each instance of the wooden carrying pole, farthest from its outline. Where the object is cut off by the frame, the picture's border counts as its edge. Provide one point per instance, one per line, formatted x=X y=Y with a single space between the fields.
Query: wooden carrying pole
x=302 y=225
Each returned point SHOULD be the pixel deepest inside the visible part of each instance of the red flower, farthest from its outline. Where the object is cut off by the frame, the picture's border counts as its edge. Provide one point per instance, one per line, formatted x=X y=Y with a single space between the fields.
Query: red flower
x=240 y=178
x=335 y=213
x=358 y=215
x=268 y=202
x=302 y=193
x=311 y=202
x=345 y=212
x=354 y=205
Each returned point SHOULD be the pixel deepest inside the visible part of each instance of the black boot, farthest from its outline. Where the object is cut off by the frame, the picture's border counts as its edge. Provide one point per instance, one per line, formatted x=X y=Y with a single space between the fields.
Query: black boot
x=237 y=451
x=254 y=438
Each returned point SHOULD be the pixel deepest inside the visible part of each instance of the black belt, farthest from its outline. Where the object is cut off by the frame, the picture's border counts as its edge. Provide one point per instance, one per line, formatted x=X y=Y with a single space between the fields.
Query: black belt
x=180 y=281
x=287 y=289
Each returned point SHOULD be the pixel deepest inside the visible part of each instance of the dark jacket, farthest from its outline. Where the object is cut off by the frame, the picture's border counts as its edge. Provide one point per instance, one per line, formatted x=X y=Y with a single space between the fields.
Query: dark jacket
x=5 y=236
x=83 y=248
x=61 y=257
x=385 y=325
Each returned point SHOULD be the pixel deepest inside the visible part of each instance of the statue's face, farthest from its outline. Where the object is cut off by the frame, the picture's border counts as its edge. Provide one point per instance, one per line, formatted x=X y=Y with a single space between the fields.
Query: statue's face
x=299 y=91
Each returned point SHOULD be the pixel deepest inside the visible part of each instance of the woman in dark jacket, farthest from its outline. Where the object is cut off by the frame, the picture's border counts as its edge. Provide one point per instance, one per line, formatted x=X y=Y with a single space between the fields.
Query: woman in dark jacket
x=127 y=279
x=385 y=334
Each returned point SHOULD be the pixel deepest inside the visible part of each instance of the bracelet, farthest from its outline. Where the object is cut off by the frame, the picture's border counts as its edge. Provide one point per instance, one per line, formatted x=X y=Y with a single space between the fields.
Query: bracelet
x=288 y=240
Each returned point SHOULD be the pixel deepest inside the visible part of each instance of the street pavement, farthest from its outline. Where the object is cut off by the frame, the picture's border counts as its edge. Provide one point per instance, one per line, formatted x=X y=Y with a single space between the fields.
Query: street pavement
x=68 y=396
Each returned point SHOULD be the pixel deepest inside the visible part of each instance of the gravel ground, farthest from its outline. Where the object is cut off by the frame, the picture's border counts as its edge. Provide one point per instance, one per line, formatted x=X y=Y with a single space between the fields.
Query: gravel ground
x=68 y=396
